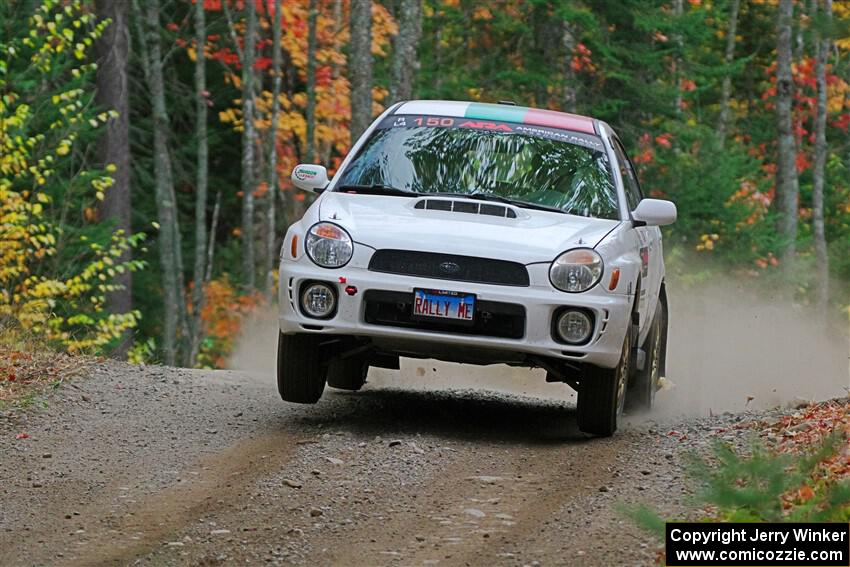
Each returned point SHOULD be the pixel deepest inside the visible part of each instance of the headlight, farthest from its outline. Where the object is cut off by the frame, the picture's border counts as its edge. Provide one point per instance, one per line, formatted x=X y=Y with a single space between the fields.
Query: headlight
x=576 y=271
x=328 y=245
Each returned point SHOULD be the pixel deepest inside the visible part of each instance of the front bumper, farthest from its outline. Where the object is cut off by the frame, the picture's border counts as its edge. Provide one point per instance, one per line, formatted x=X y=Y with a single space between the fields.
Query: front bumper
x=540 y=301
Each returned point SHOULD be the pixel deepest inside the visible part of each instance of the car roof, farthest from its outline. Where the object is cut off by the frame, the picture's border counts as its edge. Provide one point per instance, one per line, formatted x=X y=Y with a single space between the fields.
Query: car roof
x=500 y=112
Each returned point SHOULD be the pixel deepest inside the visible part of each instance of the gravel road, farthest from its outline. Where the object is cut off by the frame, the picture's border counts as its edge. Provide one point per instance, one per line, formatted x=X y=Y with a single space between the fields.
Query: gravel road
x=160 y=466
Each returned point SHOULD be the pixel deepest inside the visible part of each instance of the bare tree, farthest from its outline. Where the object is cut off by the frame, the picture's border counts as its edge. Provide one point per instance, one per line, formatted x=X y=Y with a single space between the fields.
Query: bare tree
x=114 y=148
x=201 y=182
x=787 y=187
x=405 y=62
x=246 y=56
x=211 y=239
x=271 y=221
x=360 y=66
x=169 y=233
x=339 y=26
x=729 y=57
x=569 y=96
x=822 y=276
x=547 y=33
x=313 y=14
x=678 y=11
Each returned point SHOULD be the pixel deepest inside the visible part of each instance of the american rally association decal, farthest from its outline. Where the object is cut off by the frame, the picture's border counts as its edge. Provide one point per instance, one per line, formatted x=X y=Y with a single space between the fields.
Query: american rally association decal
x=414 y=121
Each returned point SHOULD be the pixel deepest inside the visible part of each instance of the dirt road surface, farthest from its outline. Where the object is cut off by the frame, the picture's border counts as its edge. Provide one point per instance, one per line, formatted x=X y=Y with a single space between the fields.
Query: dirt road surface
x=158 y=466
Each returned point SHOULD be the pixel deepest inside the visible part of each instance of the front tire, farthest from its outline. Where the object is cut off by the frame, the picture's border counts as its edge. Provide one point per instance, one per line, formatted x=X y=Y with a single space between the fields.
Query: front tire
x=602 y=394
x=300 y=372
x=640 y=395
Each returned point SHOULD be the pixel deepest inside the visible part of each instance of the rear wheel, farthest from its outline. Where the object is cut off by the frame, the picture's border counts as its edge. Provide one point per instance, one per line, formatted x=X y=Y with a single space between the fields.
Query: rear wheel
x=602 y=394
x=300 y=372
x=640 y=395
x=348 y=373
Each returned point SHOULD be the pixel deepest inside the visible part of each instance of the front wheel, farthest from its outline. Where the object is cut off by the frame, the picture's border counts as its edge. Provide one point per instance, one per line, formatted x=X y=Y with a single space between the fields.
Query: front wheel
x=602 y=393
x=300 y=371
x=640 y=395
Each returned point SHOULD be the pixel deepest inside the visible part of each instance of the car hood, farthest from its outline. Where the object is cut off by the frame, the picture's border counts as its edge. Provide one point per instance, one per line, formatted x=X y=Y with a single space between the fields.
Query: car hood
x=393 y=222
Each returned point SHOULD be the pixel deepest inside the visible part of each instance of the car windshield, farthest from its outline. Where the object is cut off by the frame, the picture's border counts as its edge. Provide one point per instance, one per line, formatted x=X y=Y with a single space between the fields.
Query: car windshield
x=526 y=164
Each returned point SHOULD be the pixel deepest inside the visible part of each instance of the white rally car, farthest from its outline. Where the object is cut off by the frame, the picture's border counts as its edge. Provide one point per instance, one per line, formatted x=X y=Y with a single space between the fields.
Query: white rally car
x=484 y=234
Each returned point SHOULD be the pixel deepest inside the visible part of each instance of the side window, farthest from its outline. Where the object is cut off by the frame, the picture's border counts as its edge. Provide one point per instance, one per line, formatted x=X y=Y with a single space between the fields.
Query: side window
x=633 y=193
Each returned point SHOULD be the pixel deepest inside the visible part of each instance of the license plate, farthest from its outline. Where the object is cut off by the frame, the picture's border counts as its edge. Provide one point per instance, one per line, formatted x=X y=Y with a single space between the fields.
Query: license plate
x=440 y=304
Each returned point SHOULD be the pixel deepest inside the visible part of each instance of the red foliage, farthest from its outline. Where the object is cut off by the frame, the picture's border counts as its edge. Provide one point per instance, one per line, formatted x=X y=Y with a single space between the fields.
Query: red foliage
x=664 y=140
x=843 y=121
x=581 y=59
x=803 y=162
x=262 y=63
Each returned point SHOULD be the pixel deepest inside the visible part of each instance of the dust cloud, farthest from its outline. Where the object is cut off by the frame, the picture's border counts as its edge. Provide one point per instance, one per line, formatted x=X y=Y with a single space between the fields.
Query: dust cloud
x=729 y=350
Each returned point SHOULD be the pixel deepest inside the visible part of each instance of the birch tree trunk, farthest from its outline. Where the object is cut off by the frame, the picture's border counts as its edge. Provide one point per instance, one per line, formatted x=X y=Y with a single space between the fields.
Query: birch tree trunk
x=271 y=201
x=201 y=184
x=569 y=96
x=169 y=247
x=787 y=188
x=360 y=66
x=405 y=62
x=310 y=153
x=729 y=57
x=249 y=265
x=818 y=171
x=678 y=11
x=546 y=34
x=339 y=26
x=114 y=148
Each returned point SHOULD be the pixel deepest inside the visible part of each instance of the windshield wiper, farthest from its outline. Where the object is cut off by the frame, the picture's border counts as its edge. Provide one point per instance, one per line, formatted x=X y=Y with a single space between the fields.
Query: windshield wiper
x=500 y=199
x=377 y=189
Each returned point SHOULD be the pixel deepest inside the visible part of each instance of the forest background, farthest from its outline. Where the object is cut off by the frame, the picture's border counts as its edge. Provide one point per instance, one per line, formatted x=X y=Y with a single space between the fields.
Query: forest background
x=146 y=145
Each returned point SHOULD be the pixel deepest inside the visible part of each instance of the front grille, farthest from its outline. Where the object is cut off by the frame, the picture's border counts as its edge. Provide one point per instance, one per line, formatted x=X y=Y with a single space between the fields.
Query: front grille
x=492 y=318
x=449 y=267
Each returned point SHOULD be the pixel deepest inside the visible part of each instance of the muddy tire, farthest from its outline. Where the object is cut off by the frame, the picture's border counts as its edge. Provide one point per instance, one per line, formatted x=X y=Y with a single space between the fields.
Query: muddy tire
x=347 y=373
x=602 y=394
x=640 y=395
x=300 y=372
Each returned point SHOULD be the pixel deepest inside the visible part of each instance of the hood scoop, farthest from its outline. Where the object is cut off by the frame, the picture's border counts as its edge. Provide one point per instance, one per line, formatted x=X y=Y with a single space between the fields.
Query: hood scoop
x=466 y=206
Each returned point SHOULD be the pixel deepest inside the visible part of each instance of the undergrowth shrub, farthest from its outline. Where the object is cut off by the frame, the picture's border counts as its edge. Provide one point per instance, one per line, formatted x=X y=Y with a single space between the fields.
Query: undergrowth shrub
x=57 y=263
x=765 y=485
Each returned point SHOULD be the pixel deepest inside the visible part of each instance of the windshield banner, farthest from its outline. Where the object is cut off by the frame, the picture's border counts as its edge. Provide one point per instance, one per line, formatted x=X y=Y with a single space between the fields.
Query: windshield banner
x=495 y=126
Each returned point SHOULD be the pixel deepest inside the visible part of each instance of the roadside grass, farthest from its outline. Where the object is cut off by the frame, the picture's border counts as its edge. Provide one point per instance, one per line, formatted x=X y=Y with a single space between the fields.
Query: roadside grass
x=31 y=370
x=797 y=469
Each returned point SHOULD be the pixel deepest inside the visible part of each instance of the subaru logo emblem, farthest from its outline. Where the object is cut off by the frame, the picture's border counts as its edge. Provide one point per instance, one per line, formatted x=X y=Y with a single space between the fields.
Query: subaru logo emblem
x=449 y=268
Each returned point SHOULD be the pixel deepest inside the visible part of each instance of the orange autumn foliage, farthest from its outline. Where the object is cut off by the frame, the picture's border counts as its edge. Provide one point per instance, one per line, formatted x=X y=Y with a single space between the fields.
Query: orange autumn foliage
x=333 y=111
x=223 y=316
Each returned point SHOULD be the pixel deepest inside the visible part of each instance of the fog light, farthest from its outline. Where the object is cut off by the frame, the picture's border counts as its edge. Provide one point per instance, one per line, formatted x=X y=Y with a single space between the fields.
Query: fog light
x=318 y=300
x=574 y=326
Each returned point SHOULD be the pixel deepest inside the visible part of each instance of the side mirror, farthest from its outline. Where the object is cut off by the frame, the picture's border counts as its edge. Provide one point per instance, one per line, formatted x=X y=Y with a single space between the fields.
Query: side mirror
x=310 y=177
x=655 y=212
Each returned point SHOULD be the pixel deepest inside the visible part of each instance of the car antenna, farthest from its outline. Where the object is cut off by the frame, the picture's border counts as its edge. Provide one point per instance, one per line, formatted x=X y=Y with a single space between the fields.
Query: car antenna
x=507 y=102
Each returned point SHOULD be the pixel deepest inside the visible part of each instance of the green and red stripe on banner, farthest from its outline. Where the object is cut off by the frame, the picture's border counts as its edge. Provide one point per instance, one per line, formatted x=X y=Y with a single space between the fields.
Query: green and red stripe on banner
x=500 y=112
